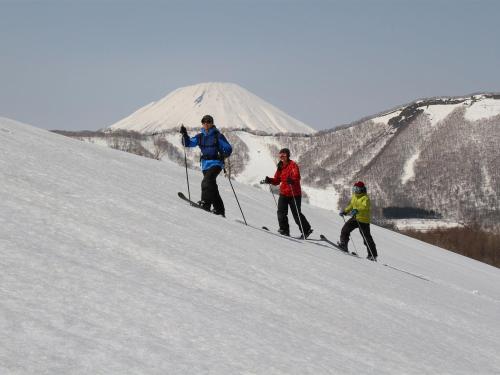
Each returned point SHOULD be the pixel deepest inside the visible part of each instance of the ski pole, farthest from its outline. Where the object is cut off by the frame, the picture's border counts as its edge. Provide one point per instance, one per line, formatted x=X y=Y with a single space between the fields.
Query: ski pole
x=230 y=183
x=364 y=238
x=298 y=213
x=271 y=190
x=185 y=164
x=352 y=239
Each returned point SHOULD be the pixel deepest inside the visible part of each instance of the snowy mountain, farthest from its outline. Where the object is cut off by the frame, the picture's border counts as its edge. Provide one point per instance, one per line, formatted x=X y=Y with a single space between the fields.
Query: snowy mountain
x=105 y=271
x=231 y=106
x=438 y=155
x=435 y=157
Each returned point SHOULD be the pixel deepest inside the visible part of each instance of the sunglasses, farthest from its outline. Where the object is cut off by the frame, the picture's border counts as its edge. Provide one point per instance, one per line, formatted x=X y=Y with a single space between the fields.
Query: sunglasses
x=357 y=189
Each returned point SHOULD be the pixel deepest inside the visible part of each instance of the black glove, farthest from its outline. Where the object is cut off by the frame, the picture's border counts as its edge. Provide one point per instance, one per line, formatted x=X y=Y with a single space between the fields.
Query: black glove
x=280 y=165
x=289 y=181
x=183 y=131
x=266 y=180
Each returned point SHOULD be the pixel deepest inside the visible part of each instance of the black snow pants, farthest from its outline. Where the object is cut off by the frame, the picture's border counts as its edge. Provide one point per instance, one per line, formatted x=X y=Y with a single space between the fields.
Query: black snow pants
x=364 y=228
x=210 y=191
x=283 y=203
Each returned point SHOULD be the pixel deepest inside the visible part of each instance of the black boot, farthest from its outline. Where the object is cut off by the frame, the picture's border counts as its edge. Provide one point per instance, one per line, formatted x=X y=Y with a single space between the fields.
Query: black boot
x=284 y=232
x=343 y=246
x=204 y=205
x=308 y=233
x=219 y=212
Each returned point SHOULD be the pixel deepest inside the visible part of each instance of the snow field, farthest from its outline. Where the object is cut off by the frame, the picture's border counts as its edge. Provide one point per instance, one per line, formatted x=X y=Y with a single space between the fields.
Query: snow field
x=104 y=270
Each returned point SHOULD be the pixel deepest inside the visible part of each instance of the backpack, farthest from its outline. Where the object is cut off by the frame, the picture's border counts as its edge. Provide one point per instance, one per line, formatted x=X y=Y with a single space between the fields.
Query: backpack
x=209 y=146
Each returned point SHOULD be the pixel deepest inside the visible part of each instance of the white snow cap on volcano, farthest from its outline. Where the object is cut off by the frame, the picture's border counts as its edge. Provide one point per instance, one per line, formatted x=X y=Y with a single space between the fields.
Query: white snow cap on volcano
x=231 y=106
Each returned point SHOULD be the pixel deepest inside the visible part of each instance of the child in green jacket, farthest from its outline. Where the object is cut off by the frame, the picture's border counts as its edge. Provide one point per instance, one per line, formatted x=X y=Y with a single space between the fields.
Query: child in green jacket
x=359 y=209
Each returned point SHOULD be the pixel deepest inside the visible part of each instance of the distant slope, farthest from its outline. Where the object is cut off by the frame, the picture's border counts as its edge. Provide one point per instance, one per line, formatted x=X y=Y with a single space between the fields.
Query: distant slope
x=104 y=270
x=231 y=105
x=437 y=155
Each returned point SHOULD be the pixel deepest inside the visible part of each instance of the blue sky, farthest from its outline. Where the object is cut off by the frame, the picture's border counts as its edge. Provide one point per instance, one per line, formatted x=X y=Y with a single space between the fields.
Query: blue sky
x=86 y=64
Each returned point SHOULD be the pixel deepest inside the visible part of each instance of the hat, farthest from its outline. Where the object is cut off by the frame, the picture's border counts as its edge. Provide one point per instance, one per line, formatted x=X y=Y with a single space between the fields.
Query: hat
x=207 y=119
x=359 y=188
x=285 y=151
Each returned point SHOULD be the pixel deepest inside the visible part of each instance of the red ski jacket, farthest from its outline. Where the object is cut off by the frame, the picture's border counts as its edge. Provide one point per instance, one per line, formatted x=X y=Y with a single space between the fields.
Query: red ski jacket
x=281 y=176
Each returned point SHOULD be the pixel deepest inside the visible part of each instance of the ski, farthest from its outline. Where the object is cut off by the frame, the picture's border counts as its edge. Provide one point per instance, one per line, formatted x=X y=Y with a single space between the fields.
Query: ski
x=352 y=253
x=299 y=238
x=266 y=230
x=192 y=203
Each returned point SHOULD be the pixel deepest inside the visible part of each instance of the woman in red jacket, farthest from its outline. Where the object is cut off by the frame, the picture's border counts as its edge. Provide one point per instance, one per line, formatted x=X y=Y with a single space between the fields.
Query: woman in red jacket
x=288 y=177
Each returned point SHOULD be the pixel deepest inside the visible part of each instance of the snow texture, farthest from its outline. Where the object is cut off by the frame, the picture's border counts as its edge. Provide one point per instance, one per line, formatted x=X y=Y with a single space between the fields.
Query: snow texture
x=261 y=161
x=438 y=113
x=104 y=270
x=424 y=224
x=409 y=168
x=483 y=108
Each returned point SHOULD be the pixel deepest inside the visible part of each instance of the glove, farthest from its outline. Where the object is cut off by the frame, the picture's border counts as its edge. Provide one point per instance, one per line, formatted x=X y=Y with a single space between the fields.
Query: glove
x=342 y=213
x=266 y=180
x=280 y=165
x=354 y=212
x=183 y=131
x=289 y=181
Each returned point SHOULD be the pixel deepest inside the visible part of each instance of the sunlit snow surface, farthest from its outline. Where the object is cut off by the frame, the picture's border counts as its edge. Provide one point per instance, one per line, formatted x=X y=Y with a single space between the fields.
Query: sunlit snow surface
x=484 y=108
x=105 y=271
x=231 y=106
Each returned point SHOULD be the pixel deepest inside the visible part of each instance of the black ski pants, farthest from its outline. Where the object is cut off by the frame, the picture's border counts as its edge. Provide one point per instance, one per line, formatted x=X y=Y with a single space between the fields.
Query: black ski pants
x=283 y=203
x=210 y=191
x=364 y=228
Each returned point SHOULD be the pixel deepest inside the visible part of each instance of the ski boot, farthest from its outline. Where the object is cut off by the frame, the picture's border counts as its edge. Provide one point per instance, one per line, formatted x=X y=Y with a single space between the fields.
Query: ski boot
x=284 y=232
x=308 y=233
x=343 y=247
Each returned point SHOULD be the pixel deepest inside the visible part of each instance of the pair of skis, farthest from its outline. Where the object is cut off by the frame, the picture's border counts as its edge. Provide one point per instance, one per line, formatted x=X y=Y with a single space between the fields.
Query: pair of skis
x=322 y=238
x=311 y=240
x=316 y=241
x=266 y=230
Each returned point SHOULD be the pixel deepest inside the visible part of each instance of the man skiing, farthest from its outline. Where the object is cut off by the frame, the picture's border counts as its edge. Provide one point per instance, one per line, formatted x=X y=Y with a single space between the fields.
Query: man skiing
x=360 y=211
x=214 y=149
x=288 y=177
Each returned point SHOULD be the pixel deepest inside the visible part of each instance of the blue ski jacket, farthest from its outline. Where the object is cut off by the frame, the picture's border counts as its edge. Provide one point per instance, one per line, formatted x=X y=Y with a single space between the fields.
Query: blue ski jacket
x=213 y=145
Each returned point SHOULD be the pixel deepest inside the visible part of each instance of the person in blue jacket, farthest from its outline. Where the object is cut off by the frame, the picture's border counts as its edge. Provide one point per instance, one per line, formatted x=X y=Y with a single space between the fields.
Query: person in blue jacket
x=214 y=149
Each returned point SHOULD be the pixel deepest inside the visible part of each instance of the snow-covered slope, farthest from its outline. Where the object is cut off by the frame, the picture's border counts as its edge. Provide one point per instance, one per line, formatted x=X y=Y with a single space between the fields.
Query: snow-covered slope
x=103 y=270
x=231 y=106
x=440 y=155
x=476 y=107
